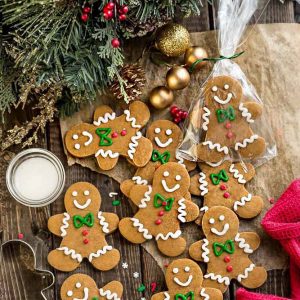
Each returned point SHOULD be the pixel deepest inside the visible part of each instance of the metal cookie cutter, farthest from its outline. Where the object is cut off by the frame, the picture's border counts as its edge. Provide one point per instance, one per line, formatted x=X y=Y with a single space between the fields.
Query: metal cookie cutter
x=22 y=278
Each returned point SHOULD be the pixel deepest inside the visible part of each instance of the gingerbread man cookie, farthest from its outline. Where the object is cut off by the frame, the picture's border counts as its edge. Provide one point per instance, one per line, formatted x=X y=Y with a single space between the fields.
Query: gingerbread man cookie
x=226 y=119
x=165 y=137
x=110 y=137
x=226 y=251
x=83 y=228
x=162 y=207
x=224 y=185
x=184 y=280
x=83 y=287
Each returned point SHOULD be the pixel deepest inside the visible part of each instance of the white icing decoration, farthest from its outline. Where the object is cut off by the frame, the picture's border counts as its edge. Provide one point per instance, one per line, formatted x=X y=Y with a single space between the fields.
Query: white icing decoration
x=211 y=221
x=83 y=206
x=205 y=117
x=228 y=98
x=102 y=222
x=86 y=193
x=132 y=120
x=178 y=177
x=203 y=294
x=226 y=86
x=175 y=270
x=218 y=278
x=77 y=146
x=134 y=143
x=71 y=252
x=217 y=164
x=222 y=218
x=146 y=198
x=108 y=295
x=212 y=146
x=74 y=193
x=242 y=244
x=75 y=137
x=242 y=202
x=89 y=135
x=157 y=130
x=245 y=142
x=246 y=273
x=86 y=294
x=203 y=184
x=169 y=131
x=245 y=113
x=170 y=190
x=181 y=211
x=172 y=235
x=187 y=269
x=214 y=88
x=141 y=229
x=65 y=224
x=78 y=285
x=187 y=283
x=166 y=173
x=69 y=293
x=106 y=153
x=204 y=208
x=105 y=118
x=100 y=252
x=179 y=158
x=161 y=144
x=205 y=250
x=139 y=180
x=220 y=233
x=111 y=194
x=167 y=296
x=236 y=174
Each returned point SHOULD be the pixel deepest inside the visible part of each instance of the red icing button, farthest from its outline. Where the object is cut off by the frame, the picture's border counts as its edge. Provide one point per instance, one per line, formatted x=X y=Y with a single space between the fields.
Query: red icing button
x=114 y=135
x=158 y=222
x=229 y=268
x=223 y=187
x=226 y=195
x=228 y=125
x=123 y=132
x=86 y=241
x=227 y=259
x=164 y=203
x=85 y=232
x=161 y=213
x=229 y=134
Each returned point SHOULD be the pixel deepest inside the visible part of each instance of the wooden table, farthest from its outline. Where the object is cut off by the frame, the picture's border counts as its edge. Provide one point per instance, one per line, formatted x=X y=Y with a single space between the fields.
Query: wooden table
x=15 y=218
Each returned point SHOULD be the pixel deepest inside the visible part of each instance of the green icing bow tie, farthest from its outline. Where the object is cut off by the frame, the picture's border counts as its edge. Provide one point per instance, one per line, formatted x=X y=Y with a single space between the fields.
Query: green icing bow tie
x=79 y=221
x=216 y=178
x=103 y=135
x=159 y=200
x=224 y=114
x=162 y=157
x=188 y=296
x=220 y=248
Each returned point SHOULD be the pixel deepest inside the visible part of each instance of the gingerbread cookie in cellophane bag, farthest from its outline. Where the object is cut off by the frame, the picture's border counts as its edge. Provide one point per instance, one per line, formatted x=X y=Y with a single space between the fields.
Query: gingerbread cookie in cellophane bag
x=227 y=121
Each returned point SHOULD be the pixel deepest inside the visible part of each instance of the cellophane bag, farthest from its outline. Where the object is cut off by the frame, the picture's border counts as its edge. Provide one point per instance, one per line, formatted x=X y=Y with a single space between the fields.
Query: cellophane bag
x=227 y=121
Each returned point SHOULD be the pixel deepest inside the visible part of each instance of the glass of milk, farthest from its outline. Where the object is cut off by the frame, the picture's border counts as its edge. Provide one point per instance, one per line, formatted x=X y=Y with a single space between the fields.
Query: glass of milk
x=35 y=177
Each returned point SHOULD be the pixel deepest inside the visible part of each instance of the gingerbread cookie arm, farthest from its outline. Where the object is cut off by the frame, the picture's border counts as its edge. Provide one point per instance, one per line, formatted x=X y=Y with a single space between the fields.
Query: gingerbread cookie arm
x=211 y=293
x=103 y=114
x=199 y=251
x=138 y=114
x=58 y=224
x=160 y=296
x=112 y=220
x=189 y=209
x=140 y=150
x=242 y=172
x=140 y=195
x=195 y=183
x=249 y=241
x=113 y=290
x=250 y=110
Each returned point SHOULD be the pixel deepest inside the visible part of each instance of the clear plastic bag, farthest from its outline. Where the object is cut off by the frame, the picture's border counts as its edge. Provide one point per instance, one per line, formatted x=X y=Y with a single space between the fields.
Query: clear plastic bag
x=227 y=120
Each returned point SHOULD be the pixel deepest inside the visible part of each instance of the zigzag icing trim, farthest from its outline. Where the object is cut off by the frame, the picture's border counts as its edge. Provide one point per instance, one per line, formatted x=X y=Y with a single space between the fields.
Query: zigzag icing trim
x=108 y=295
x=245 y=142
x=167 y=296
x=245 y=113
x=179 y=158
x=212 y=146
x=103 y=223
x=242 y=244
x=205 y=250
x=236 y=174
x=204 y=208
x=246 y=273
x=134 y=143
x=242 y=202
x=105 y=119
x=141 y=229
x=172 y=235
x=71 y=252
x=218 y=278
x=106 y=153
x=100 y=252
x=146 y=198
x=203 y=294
x=181 y=211
x=139 y=180
x=203 y=184
x=205 y=118
x=131 y=120
x=65 y=224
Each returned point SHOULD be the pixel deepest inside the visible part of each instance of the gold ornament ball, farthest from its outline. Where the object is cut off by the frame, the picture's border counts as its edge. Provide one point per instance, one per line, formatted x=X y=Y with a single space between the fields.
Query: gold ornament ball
x=178 y=78
x=161 y=97
x=194 y=53
x=172 y=40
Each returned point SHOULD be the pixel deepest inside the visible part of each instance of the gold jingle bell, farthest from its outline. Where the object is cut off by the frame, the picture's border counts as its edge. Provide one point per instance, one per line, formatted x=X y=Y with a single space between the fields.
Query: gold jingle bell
x=161 y=97
x=178 y=78
x=192 y=54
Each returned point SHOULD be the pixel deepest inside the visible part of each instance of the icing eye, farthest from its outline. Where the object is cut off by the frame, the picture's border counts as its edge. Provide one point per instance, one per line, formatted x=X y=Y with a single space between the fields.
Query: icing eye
x=74 y=193
x=226 y=86
x=169 y=132
x=166 y=173
x=78 y=285
x=70 y=293
x=75 y=136
x=214 y=88
x=77 y=146
x=86 y=193
x=221 y=218
x=187 y=269
x=157 y=130
x=175 y=270
x=178 y=177
x=211 y=221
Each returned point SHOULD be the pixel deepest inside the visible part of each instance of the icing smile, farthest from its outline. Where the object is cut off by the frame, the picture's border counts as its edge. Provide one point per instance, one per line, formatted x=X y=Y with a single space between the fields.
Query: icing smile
x=86 y=294
x=161 y=144
x=187 y=283
x=217 y=99
x=220 y=233
x=83 y=206
x=167 y=189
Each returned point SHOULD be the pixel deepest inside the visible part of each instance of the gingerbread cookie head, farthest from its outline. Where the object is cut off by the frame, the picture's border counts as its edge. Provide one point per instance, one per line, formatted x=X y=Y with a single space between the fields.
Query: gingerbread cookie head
x=82 y=197
x=171 y=178
x=222 y=90
x=220 y=223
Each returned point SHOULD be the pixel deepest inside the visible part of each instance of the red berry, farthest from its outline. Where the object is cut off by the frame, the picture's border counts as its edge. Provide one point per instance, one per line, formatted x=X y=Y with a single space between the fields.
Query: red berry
x=122 y=17
x=109 y=14
x=115 y=43
x=20 y=236
x=177 y=120
x=174 y=110
x=106 y=9
x=125 y=9
x=229 y=268
x=185 y=114
x=158 y=222
x=110 y=5
x=86 y=9
x=178 y=114
x=227 y=259
x=84 y=17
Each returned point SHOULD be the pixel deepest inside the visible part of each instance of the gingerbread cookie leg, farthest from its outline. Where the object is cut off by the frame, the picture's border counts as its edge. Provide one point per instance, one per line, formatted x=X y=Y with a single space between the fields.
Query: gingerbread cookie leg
x=105 y=259
x=216 y=281
x=159 y=296
x=126 y=186
x=112 y=290
x=64 y=259
x=211 y=293
x=211 y=152
x=106 y=159
x=170 y=244
x=251 y=147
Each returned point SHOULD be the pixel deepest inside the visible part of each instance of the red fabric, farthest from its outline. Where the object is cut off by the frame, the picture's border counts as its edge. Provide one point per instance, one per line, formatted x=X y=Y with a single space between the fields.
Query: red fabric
x=242 y=294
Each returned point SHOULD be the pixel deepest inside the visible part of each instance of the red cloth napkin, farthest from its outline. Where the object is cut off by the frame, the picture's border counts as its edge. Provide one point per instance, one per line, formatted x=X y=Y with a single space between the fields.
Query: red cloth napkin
x=282 y=223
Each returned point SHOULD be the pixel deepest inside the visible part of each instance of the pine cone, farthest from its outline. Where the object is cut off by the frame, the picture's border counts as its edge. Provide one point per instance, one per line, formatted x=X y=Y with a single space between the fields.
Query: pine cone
x=134 y=80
